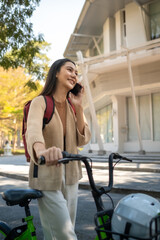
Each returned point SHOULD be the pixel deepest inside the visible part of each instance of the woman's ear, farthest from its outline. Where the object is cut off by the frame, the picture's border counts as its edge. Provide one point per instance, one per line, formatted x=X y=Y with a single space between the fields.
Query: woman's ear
x=57 y=74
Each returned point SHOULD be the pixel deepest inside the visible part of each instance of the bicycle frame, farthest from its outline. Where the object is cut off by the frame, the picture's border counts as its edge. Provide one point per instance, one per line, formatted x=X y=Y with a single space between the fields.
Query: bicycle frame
x=23 y=232
x=22 y=198
x=103 y=216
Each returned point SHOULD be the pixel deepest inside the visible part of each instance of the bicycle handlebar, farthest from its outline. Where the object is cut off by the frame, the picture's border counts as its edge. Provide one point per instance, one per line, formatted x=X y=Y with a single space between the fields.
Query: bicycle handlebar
x=96 y=192
x=74 y=157
x=66 y=158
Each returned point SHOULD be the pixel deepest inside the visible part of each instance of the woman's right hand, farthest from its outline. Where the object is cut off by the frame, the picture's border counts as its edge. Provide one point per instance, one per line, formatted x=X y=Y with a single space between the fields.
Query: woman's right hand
x=52 y=154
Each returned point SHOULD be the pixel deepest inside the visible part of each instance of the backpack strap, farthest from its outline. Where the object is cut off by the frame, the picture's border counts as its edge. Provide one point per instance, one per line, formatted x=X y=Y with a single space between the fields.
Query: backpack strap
x=25 y=115
x=49 y=111
x=74 y=110
x=24 y=128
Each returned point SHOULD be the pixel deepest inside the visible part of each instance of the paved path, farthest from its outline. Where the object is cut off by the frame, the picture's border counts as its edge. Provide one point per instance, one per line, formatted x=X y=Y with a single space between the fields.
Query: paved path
x=142 y=175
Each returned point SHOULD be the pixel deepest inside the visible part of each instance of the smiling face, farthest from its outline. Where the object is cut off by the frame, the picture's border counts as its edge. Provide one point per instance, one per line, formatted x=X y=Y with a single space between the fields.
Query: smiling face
x=67 y=76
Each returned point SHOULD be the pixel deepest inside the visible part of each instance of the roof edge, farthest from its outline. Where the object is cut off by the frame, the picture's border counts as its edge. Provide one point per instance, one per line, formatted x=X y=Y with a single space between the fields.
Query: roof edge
x=82 y=14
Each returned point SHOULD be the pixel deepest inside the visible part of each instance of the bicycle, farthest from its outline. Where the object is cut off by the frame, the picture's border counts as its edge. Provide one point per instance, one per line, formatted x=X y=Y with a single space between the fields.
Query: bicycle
x=102 y=217
x=21 y=197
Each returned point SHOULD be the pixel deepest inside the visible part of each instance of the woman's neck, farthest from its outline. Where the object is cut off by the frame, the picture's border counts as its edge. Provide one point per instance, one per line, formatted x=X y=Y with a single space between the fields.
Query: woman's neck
x=59 y=96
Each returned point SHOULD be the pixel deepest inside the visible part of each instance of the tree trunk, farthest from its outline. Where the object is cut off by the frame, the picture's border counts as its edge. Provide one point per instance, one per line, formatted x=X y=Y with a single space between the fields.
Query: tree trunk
x=15 y=136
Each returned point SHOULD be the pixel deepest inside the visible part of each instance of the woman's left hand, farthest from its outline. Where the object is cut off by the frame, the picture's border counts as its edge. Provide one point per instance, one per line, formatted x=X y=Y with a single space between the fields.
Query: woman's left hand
x=77 y=99
x=77 y=102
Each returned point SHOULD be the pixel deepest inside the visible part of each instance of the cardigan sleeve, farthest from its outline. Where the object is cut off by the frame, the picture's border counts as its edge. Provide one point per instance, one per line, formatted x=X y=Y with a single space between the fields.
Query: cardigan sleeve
x=34 y=124
x=85 y=138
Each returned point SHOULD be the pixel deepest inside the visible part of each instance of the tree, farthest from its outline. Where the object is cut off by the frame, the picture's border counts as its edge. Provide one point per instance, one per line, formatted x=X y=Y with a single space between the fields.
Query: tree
x=18 y=45
x=13 y=97
x=39 y=64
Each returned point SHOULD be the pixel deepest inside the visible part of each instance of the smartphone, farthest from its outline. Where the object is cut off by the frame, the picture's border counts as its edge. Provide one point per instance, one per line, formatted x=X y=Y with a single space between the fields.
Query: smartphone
x=77 y=88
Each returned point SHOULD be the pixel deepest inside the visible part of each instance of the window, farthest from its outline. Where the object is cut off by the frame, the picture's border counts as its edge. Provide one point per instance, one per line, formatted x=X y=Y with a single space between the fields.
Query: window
x=149 y=117
x=124 y=23
x=123 y=28
x=100 y=45
x=105 y=122
x=132 y=131
x=154 y=11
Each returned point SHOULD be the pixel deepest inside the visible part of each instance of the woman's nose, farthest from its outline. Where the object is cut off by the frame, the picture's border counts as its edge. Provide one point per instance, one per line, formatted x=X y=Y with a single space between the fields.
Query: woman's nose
x=74 y=75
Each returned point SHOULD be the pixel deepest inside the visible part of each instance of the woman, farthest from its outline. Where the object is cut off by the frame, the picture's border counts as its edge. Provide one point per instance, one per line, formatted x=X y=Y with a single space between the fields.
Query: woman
x=65 y=131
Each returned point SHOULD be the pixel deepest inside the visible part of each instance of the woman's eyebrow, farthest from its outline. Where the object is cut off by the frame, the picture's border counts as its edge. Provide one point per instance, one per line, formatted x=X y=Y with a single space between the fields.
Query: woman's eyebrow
x=70 y=67
x=73 y=69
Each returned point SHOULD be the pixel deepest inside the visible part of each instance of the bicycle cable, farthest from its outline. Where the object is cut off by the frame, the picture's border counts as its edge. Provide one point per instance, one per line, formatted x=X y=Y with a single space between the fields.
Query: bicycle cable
x=110 y=199
x=116 y=162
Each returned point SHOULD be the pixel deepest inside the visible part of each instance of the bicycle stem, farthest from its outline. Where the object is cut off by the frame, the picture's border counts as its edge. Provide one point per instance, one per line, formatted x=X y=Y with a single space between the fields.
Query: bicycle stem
x=97 y=193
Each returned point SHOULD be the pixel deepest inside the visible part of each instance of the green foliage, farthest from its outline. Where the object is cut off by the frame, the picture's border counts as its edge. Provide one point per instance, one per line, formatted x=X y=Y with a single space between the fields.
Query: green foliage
x=1 y=151
x=40 y=63
x=32 y=85
x=18 y=45
x=18 y=152
x=14 y=92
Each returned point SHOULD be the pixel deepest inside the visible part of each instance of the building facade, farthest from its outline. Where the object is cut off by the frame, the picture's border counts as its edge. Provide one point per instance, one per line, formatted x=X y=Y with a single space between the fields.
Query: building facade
x=119 y=42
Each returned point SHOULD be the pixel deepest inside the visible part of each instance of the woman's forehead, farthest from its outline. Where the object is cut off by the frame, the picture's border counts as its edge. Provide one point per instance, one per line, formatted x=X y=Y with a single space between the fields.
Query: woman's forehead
x=70 y=64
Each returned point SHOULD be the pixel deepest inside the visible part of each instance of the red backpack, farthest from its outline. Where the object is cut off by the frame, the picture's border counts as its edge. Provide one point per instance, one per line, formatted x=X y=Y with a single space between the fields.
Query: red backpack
x=49 y=111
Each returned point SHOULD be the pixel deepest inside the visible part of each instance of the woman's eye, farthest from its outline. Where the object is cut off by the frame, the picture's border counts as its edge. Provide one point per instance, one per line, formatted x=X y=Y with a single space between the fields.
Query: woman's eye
x=71 y=70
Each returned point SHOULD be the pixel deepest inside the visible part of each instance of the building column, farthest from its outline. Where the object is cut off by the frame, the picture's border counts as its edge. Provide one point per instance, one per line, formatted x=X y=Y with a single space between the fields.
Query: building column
x=90 y=101
x=141 y=151
x=119 y=122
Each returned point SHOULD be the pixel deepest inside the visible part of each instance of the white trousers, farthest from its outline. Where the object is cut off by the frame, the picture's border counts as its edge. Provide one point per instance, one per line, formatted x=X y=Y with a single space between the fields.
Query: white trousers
x=57 y=211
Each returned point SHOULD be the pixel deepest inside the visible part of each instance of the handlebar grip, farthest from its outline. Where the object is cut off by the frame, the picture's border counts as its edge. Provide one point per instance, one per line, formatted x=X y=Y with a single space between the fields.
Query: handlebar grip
x=70 y=155
x=41 y=160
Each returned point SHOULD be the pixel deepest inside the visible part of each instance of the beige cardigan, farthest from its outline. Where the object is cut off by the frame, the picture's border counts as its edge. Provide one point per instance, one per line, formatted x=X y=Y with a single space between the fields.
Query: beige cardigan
x=44 y=177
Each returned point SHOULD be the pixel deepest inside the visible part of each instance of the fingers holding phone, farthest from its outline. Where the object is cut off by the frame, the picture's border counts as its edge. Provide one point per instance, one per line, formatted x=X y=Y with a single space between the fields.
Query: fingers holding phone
x=76 y=94
x=77 y=89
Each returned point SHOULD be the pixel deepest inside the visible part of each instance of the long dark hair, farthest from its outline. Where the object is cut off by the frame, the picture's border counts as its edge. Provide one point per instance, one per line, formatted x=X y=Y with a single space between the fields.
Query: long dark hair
x=51 y=81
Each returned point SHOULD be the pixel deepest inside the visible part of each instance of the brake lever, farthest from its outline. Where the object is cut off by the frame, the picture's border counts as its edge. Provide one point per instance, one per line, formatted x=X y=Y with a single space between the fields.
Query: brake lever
x=118 y=156
x=63 y=160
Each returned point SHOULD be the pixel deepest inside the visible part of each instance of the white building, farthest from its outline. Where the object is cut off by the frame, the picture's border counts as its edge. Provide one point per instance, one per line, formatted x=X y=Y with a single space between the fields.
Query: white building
x=120 y=45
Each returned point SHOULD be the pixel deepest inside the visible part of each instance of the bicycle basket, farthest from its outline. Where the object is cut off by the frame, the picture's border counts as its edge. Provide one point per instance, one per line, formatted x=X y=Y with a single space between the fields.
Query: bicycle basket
x=104 y=231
